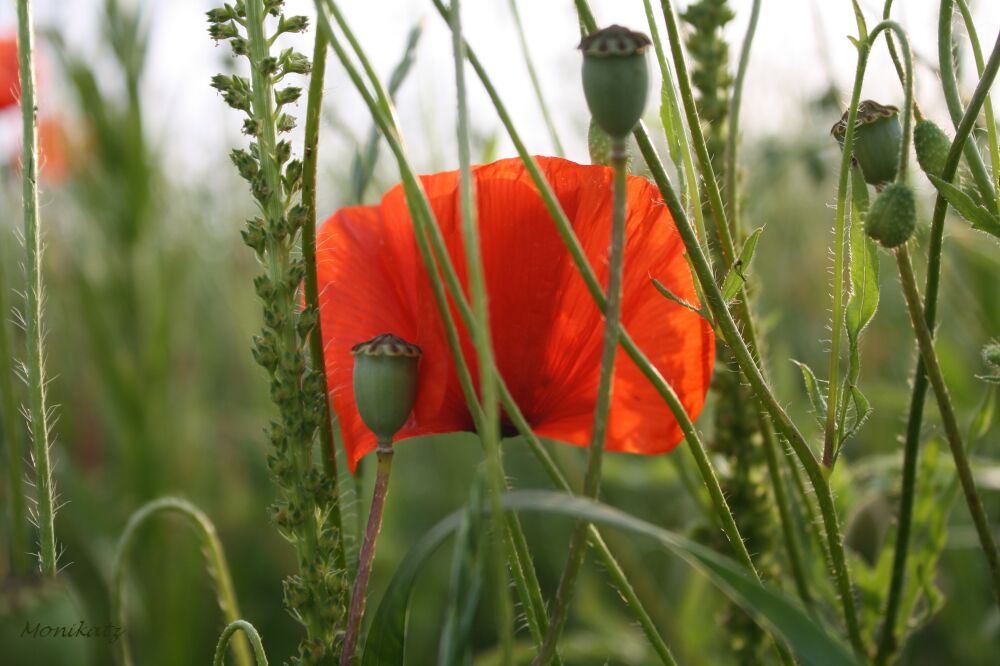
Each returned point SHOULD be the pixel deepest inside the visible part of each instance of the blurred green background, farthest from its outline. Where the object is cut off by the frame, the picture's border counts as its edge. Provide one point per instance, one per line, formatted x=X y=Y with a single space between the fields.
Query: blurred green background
x=150 y=313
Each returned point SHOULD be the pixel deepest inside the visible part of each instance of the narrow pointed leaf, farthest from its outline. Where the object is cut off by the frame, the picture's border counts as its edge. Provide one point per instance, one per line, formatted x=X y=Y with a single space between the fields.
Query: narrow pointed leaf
x=977 y=215
x=738 y=273
x=813 y=389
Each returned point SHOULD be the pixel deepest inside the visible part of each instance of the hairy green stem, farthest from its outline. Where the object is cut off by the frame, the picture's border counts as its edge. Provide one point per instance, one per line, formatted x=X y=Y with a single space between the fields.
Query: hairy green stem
x=33 y=297
x=250 y=632
x=602 y=404
x=310 y=160
x=830 y=443
x=367 y=556
x=216 y=560
x=535 y=83
x=490 y=432
x=831 y=446
x=991 y=125
x=952 y=430
x=13 y=444
x=954 y=99
x=911 y=448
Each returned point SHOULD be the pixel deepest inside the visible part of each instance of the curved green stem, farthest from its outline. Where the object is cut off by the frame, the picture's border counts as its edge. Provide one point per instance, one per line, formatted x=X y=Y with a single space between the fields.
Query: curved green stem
x=310 y=160
x=34 y=330
x=490 y=432
x=954 y=100
x=250 y=632
x=217 y=566
x=535 y=84
x=911 y=447
x=602 y=405
x=952 y=430
x=991 y=125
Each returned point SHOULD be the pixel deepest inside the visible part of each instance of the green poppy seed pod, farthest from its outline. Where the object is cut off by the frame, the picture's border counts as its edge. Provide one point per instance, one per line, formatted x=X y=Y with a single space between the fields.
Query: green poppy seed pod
x=877 y=138
x=932 y=146
x=615 y=78
x=892 y=216
x=385 y=383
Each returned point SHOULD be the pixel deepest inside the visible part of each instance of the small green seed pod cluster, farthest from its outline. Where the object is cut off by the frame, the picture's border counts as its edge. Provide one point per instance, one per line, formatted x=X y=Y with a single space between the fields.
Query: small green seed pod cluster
x=991 y=354
x=877 y=139
x=615 y=78
x=931 y=145
x=385 y=383
x=893 y=216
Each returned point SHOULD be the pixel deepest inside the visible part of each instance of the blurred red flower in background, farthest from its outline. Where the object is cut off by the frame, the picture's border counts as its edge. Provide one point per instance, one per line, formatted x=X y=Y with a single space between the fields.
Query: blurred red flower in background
x=10 y=82
x=546 y=328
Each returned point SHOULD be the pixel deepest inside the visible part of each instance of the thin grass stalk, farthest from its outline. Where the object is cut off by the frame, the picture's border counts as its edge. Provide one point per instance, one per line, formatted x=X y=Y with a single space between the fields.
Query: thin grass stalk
x=425 y=226
x=602 y=404
x=535 y=83
x=953 y=431
x=732 y=140
x=911 y=448
x=954 y=99
x=490 y=434
x=310 y=160
x=745 y=358
x=413 y=189
x=38 y=411
x=690 y=178
x=991 y=125
x=250 y=632
x=215 y=557
x=13 y=444
x=582 y=264
x=580 y=260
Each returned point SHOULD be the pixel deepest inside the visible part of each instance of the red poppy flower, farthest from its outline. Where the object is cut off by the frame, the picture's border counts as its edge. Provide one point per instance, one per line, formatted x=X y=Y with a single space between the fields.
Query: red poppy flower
x=546 y=328
x=10 y=81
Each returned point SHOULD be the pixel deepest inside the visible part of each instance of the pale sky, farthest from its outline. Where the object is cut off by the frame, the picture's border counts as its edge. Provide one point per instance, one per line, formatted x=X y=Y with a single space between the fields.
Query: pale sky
x=798 y=45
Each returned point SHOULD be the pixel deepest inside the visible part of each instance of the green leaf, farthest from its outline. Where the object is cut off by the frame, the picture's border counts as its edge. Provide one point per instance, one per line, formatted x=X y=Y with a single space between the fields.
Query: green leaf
x=980 y=218
x=862 y=410
x=738 y=273
x=863 y=302
x=816 y=396
x=465 y=582
x=767 y=605
x=669 y=295
x=385 y=644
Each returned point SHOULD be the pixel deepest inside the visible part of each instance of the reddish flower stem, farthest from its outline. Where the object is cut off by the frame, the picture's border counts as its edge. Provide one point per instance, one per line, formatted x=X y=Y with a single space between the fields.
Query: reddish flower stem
x=367 y=556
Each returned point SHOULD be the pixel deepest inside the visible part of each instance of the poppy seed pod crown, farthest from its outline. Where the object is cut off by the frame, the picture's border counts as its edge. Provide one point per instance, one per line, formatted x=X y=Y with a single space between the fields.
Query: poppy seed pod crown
x=385 y=383
x=615 y=78
x=877 y=138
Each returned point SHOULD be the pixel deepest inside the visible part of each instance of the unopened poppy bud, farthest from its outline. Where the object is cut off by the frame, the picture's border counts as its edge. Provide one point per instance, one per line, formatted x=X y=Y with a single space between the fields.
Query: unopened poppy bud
x=893 y=216
x=877 y=137
x=932 y=146
x=385 y=383
x=615 y=78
